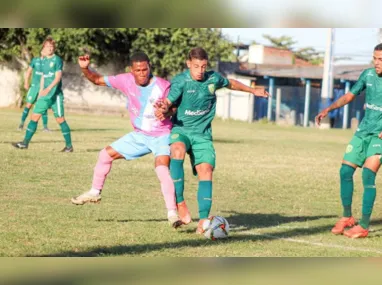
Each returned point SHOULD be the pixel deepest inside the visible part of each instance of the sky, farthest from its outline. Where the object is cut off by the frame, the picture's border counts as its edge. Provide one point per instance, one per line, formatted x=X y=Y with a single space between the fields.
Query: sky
x=357 y=43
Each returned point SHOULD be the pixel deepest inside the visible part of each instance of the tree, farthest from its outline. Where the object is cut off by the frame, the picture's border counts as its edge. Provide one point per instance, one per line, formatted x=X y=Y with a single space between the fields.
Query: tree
x=308 y=53
x=166 y=47
x=283 y=42
x=311 y=55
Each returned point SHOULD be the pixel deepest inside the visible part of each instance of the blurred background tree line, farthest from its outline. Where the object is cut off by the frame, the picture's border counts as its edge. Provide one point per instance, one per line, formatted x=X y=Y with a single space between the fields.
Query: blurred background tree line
x=166 y=47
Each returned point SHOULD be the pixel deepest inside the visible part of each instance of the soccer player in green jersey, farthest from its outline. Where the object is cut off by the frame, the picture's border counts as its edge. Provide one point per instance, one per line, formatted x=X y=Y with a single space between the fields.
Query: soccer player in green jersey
x=193 y=91
x=50 y=96
x=364 y=149
x=34 y=70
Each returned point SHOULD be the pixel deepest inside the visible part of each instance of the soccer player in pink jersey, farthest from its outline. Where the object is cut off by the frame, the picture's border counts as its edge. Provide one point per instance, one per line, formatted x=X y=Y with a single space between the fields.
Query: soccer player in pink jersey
x=142 y=90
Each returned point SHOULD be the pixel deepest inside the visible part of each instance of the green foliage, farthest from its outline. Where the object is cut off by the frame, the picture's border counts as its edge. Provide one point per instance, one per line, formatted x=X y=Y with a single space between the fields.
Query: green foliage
x=283 y=42
x=308 y=53
x=166 y=47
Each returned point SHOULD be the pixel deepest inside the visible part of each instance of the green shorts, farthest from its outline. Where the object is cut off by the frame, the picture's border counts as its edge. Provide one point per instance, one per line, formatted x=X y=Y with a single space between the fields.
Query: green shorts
x=199 y=148
x=32 y=95
x=56 y=103
x=359 y=149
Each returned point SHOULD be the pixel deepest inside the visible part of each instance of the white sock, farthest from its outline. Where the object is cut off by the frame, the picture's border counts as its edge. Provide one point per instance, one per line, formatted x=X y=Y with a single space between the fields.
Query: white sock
x=172 y=213
x=94 y=192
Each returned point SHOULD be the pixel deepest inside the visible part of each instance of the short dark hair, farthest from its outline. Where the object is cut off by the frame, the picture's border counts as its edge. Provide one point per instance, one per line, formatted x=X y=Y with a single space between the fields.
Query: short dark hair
x=138 y=56
x=198 y=53
x=378 y=47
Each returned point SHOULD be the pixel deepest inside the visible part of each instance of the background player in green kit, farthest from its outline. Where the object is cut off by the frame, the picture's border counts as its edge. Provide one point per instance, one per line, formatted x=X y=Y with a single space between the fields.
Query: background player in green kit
x=34 y=70
x=364 y=150
x=50 y=96
x=193 y=91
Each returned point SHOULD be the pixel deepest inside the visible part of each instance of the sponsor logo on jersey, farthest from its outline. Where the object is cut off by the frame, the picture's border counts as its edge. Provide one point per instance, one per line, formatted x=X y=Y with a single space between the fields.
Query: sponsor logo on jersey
x=197 y=112
x=376 y=145
x=373 y=107
x=349 y=148
x=191 y=91
x=211 y=88
x=369 y=84
x=174 y=136
x=50 y=74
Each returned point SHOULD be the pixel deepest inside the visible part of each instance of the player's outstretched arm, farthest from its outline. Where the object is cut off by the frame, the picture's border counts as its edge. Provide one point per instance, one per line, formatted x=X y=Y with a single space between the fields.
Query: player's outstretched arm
x=97 y=79
x=237 y=85
x=342 y=101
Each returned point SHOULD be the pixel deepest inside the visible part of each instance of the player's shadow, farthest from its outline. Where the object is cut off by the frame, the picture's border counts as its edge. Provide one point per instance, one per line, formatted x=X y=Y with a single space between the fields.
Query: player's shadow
x=243 y=221
x=228 y=141
x=96 y=130
x=248 y=221
x=131 y=220
x=195 y=242
x=34 y=142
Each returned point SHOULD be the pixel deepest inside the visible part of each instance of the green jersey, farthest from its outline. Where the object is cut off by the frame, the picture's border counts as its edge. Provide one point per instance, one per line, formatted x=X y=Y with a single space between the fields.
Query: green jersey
x=49 y=68
x=36 y=65
x=372 y=122
x=196 y=101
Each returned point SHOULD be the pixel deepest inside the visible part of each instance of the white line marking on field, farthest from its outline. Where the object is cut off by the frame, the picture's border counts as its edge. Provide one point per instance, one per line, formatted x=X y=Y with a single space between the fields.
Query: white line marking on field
x=320 y=243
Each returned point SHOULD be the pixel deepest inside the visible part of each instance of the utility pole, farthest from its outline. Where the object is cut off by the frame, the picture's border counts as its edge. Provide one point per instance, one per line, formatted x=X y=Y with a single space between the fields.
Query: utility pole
x=327 y=78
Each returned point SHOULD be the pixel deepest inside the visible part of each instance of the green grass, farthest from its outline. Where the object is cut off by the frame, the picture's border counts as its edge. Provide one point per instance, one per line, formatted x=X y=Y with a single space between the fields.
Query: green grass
x=277 y=186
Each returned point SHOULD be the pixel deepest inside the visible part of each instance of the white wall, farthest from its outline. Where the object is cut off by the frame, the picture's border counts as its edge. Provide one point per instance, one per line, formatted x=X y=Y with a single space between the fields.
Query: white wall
x=256 y=54
x=79 y=93
x=9 y=86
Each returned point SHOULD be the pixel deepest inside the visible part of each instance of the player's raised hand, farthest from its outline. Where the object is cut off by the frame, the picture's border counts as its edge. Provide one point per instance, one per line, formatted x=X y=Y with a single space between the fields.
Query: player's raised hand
x=261 y=93
x=84 y=61
x=320 y=116
x=43 y=93
x=159 y=115
x=161 y=105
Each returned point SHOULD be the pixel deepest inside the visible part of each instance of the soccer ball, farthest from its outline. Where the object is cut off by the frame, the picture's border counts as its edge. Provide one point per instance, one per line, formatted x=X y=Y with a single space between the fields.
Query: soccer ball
x=215 y=227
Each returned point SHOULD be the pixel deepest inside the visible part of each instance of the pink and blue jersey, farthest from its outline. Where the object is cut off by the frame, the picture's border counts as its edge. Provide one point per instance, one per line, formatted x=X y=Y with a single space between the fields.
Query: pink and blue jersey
x=140 y=102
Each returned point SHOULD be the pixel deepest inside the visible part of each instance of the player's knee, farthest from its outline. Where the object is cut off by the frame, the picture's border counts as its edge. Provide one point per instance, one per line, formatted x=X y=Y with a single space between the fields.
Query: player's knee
x=178 y=152
x=104 y=156
x=346 y=172
x=205 y=170
x=60 y=120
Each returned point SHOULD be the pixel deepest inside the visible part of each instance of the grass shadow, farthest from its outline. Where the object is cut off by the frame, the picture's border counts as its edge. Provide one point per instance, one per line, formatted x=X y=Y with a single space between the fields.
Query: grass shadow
x=139 y=249
x=228 y=141
x=248 y=221
x=96 y=130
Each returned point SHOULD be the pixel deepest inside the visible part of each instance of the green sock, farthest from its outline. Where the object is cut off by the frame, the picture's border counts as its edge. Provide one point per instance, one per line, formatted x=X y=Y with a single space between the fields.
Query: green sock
x=66 y=133
x=31 y=129
x=369 y=193
x=347 y=188
x=45 y=119
x=24 y=115
x=177 y=175
x=204 y=198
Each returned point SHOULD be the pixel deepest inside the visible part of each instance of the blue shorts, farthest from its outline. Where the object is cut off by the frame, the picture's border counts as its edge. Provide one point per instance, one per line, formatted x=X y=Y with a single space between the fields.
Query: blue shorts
x=135 y=145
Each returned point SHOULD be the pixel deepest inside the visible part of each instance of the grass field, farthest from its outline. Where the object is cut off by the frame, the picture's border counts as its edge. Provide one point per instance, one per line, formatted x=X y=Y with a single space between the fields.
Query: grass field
x=278 y=187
